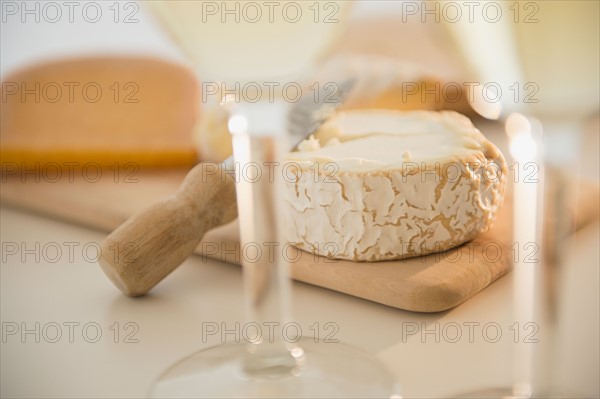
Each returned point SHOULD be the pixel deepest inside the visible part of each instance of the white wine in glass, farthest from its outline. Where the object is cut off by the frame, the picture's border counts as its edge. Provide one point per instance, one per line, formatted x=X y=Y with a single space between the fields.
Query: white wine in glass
x=244 y=41
x=240 y=42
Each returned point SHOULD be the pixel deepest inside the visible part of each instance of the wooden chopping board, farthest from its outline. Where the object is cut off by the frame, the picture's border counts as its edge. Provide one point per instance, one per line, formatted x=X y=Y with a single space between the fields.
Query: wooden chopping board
x=425 y=284
x=429 y=283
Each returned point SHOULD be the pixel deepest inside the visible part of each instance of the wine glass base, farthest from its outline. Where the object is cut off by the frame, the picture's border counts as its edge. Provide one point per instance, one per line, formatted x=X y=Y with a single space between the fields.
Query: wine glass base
x=330 y=370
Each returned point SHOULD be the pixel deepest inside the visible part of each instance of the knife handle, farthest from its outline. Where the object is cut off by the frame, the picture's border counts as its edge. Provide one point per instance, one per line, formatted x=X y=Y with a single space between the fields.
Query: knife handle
x=153 y=242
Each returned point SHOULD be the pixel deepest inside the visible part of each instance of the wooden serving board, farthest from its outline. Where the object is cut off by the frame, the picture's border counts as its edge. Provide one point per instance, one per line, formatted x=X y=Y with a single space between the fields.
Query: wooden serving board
x=429 y=283
x=425 y=284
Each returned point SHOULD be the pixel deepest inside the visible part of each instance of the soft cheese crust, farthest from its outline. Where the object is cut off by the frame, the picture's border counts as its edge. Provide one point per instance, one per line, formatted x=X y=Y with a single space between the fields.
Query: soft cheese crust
x=364 y=210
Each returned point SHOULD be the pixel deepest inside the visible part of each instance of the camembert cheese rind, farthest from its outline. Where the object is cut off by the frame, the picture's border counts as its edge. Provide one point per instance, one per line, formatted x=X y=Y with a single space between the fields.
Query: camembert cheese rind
x=376 y=185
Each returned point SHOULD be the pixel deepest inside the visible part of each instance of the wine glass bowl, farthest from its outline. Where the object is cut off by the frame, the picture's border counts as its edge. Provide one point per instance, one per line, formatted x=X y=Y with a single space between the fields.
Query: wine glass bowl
x=249 y=41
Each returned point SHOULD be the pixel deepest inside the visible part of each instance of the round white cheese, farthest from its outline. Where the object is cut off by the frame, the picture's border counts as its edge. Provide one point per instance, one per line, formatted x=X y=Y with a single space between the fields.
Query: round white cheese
x=378 y=185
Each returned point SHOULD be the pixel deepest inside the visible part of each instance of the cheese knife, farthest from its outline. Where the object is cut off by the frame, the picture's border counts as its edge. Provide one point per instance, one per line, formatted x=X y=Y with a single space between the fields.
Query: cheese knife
x=155 y=241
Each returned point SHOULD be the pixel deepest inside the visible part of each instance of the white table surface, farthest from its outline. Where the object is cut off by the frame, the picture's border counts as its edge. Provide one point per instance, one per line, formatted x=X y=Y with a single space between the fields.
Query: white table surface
x=74 y=290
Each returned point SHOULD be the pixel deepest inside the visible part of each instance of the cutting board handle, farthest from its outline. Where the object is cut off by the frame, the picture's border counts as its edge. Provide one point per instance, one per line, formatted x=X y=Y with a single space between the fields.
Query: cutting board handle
x=153 y=242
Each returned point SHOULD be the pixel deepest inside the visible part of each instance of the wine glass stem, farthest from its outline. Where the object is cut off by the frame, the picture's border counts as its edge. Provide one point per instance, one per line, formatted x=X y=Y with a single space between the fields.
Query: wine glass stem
x=266 y=283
